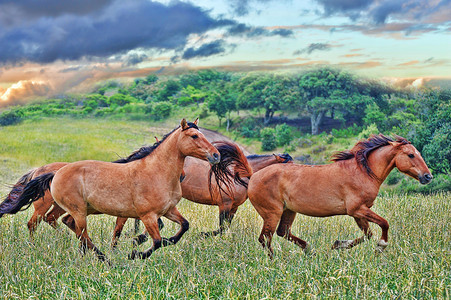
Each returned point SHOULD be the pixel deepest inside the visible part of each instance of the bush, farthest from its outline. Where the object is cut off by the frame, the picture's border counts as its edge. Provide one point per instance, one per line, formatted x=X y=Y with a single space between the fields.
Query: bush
x=346 y=132
x=268 y=139
x=10 y=117
x=249 y=128
x=371 y=129
x=161 y=110
x=283 y=134
x=441 y=182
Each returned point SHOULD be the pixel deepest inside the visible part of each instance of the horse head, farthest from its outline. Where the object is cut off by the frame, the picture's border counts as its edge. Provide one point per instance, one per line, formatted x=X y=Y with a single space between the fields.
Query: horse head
x=193 y=143
x=408 y=160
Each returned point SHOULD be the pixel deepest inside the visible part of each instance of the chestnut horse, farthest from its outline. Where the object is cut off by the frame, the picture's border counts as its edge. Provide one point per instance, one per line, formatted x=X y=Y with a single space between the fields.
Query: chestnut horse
x=195 y=188
x=43 y=204
x=348 y=186
x=146 y=188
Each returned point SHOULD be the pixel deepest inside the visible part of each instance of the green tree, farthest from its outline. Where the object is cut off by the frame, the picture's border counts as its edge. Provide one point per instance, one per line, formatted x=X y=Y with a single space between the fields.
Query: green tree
x=222 y=105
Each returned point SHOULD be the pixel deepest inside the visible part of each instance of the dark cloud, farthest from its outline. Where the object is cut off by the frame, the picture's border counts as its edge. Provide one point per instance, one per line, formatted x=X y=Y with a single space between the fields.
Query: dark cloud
x=107 y=28
x=215 y=47
x=314 y=47
x=242 y=7
x=251 y=32
x=379 y=11
x=134 y=59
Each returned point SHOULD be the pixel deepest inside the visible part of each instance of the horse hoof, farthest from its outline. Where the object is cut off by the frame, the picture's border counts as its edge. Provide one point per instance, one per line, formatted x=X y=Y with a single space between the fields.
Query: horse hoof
x=167 y=242
x=381 y=245
x=342 y=244
x=133 y=255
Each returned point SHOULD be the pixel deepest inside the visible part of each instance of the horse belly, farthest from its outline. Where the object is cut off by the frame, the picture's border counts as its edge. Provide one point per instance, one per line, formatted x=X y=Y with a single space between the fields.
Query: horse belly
x=314 y=200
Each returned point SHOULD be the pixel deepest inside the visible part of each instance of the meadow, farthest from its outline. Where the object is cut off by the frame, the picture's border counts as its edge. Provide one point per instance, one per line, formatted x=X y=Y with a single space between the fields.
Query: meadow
x=416 y=264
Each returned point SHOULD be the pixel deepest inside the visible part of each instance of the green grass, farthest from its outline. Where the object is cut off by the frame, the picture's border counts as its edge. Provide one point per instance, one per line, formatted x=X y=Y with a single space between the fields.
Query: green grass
x=415 y=265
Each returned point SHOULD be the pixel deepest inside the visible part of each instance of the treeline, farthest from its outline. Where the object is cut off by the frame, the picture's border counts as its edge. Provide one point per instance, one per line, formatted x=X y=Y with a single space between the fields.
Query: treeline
x=348 y=102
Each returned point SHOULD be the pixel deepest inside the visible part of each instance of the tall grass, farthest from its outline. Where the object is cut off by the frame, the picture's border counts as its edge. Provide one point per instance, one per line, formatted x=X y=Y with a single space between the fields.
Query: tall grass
x=416 y=264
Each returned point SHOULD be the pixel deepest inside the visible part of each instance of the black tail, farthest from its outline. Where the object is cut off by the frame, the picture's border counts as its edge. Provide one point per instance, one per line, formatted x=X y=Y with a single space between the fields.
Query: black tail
x=34 y=190
x=227 y=171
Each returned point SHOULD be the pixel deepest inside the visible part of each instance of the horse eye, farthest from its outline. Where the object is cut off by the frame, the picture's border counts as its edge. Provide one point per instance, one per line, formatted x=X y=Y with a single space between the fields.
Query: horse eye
x=195 y=136
x=411 y=155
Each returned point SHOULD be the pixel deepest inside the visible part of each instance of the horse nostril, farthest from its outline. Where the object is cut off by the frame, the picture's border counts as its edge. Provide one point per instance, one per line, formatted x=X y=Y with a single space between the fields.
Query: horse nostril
x=216 y=155
x=428 y=176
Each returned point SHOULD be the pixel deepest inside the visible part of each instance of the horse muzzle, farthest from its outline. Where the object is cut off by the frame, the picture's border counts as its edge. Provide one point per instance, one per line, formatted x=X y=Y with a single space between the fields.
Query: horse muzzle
x=214 y=159
x=426 y=178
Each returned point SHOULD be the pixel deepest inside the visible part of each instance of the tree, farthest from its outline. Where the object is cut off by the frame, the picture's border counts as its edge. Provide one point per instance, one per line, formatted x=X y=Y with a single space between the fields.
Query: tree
x=269 y=92
x=222 y=104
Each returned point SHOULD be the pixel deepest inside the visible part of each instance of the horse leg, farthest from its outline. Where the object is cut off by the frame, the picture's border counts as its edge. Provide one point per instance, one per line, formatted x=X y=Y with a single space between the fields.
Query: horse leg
x=174 y=215
x=347 y=244
x=54 y=214
x=85 y=240
x=40 y=208
x=143 y=237
x=225 y=217
x=120 y=222
x=284 y=229
x=151 y=223
x=367 y=214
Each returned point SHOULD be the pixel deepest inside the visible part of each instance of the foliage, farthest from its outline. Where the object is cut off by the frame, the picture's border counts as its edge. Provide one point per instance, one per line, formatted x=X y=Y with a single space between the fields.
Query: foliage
x=10 y=117
x=268 y=139
x=346 y=132
x=161 y=110
x=284 y=134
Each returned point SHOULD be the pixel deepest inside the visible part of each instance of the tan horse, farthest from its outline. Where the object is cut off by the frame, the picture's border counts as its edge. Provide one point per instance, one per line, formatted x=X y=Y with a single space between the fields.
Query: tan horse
x=43 y=204
x=195 y=188
x=348 y=186
x=146 y=188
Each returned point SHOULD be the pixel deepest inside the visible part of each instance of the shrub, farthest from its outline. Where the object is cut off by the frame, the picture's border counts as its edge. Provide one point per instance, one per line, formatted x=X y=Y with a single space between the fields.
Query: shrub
x=161 y=110
x=10 y=117
x=283 y=134
x=268 y=139
x=249 y=128
x=371 y=129
x=346 y=132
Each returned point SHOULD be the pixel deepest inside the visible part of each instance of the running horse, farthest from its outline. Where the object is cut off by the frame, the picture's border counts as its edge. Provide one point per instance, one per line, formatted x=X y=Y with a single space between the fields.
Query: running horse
x=195 y=187
x=146 y=188
x=348 y=186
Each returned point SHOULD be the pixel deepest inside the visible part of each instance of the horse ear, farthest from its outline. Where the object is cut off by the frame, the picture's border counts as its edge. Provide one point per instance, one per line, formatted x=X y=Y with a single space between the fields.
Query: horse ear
x=395 y=144
x=157 y=139
x=184 y=124
x=196 y=121
x=278 y=158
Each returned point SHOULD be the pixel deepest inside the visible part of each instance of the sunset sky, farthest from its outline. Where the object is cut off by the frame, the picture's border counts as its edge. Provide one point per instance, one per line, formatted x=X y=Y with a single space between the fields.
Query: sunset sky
x=49 y=47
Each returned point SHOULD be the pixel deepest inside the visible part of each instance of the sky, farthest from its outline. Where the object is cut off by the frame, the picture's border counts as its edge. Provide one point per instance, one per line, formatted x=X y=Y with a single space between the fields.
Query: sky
x=51 y=47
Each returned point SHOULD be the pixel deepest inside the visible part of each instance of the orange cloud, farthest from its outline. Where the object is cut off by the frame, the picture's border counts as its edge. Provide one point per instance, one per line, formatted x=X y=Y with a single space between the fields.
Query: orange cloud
x=352 y=55
x=409 y=63
x=23 y=90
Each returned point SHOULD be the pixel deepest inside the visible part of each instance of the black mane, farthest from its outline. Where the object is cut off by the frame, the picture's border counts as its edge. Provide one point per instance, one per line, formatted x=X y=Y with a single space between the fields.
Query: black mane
x=146 y=150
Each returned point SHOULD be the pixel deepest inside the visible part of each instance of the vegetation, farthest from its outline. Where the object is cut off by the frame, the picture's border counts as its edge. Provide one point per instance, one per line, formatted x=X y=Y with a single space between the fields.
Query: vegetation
x=416 y=264
x=287 y=108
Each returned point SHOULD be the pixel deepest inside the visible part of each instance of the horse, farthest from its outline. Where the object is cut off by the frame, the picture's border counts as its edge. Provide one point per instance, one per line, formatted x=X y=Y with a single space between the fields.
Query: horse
x=147 y=187
x=348 y=186
x=43 y=204
x=231 y=154
x=195 y=188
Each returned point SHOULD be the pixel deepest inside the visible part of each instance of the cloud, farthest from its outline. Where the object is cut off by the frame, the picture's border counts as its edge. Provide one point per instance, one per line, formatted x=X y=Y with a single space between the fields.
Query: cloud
x=382 y=11
x=409 y=63
x=102 y=29
x=241 y=29
x=314 y=47
x=207 y=49
x=243 y=7
x=134 y=59
x=23 y=90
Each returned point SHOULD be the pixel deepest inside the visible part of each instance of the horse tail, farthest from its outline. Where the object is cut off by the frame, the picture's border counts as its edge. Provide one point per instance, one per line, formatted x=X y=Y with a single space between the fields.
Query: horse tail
x=232 y=168
x=34 y=190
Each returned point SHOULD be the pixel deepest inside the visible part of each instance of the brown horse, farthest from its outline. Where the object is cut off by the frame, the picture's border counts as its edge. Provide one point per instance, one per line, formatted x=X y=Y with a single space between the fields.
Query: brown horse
x=146 y=188
x=195 y=188
x=348 y=186
x=42 y=205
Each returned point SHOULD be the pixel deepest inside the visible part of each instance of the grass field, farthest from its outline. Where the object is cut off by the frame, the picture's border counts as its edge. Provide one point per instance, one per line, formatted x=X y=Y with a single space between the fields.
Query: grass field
x=416 y=264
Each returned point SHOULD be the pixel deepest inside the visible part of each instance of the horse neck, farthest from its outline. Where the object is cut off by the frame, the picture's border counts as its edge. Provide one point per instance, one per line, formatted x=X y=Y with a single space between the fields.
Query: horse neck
x=381 y=161
x=167 y=157
x=261 y=162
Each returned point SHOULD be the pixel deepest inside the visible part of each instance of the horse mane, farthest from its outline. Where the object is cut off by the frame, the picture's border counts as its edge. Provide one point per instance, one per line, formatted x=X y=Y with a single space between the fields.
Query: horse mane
x=363 y=148
x=231 y=158
x=17 y=189
x=147 y=150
